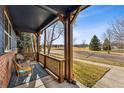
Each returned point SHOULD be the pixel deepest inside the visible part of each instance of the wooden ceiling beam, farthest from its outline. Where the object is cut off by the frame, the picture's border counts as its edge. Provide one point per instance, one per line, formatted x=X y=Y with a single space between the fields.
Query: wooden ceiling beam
x=77 y=11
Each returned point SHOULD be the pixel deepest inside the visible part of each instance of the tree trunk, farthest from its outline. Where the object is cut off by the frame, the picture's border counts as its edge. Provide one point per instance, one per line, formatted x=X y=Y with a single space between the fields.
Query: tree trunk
x=108 y=51
x=49 y=47
x=51 y=41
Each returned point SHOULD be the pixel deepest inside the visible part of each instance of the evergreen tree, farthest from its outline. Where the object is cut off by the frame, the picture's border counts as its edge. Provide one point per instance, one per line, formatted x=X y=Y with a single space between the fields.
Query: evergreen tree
x=95 y=44
x=24 y=42
x=106 y=45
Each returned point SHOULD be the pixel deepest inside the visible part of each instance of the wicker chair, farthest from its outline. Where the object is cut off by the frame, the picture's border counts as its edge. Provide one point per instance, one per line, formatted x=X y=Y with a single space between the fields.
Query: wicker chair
x=22 y=71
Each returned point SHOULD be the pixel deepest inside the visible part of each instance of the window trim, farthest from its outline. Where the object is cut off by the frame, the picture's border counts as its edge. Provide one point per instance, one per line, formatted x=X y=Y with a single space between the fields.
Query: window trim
x=8 y=33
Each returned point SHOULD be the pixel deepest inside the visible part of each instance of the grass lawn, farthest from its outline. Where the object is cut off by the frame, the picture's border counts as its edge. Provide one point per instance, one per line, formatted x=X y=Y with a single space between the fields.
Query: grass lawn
x=105 y=61
x=87 y=74
x=113 y=51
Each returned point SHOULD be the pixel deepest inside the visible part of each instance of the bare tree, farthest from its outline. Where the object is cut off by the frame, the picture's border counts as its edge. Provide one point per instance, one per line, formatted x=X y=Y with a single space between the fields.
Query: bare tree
x=108 y=35
x=115 y=33
x=118 y=32
x=83 y=43
x=53 y=33
x=74 y=40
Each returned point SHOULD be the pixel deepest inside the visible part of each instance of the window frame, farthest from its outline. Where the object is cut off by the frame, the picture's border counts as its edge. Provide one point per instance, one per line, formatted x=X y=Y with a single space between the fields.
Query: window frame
x=8 y=33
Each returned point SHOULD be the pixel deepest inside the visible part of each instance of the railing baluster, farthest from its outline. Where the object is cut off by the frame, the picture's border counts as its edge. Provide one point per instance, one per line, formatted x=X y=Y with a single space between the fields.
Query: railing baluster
x=61 y=78
x=44 y=61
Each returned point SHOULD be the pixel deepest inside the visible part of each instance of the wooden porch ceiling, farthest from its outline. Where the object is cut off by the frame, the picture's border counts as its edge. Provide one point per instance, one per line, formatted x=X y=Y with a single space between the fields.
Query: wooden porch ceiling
x=33 y=18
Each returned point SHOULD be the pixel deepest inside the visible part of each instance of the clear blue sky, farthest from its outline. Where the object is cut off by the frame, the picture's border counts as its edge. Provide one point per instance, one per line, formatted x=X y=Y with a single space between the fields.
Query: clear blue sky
x=94 y=21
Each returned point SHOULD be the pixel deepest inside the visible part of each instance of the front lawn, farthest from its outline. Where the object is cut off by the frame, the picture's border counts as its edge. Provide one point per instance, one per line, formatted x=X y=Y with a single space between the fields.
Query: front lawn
x=88 y=74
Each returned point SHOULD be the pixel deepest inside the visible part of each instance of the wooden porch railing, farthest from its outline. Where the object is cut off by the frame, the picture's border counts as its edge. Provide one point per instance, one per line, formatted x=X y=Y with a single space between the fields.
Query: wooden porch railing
x=55 y=65
x=29 y=56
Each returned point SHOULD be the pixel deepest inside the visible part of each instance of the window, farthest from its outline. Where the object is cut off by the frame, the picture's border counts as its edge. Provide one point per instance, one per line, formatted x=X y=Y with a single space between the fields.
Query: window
x=6 y=37
x=9 y=35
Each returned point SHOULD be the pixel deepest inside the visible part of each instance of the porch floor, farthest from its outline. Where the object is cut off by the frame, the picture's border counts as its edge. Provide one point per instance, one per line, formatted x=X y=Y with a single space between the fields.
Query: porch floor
x=47 y=82
x=42 y=80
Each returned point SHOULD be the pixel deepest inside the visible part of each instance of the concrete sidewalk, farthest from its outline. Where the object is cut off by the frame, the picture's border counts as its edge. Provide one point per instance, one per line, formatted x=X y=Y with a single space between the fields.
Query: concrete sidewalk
x=112 y=79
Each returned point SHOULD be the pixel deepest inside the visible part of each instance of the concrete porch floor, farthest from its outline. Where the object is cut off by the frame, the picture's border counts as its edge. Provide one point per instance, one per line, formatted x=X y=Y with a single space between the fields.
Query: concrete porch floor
x=48 y=82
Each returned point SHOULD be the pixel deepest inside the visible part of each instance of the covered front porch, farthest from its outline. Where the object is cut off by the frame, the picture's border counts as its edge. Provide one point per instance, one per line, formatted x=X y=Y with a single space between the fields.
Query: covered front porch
x=40 y=78
x=48 y=71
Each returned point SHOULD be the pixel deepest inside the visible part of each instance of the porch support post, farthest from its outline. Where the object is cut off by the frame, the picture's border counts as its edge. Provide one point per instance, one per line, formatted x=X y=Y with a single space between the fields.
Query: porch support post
x=68 y=46
x=44 y=41
x=68 y=21
x=38 y=46
x=45 y=48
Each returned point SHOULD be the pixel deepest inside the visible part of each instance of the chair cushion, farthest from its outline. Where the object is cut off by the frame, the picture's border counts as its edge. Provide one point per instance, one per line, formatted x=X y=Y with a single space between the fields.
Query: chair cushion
x=23 y=72
x=29 y=68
